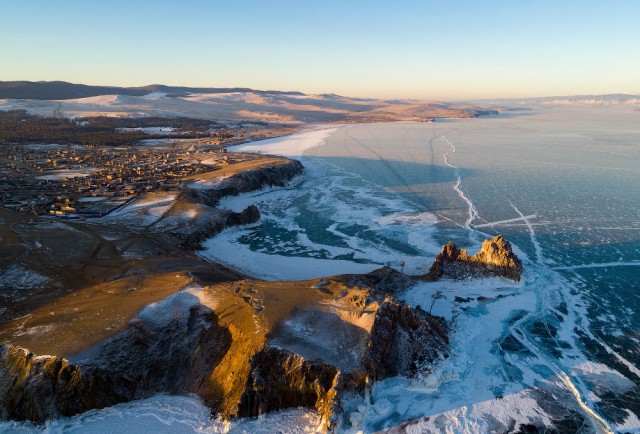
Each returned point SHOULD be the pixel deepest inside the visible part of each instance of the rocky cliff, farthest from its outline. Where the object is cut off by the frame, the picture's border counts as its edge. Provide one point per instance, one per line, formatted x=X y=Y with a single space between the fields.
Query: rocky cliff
x=216 y=224
x=243 y=182
x=404 y=341
x=214 y=343
x=250 y=180
x=171 y=347
x=41 y=387
x=281 y=379
x=495 y=258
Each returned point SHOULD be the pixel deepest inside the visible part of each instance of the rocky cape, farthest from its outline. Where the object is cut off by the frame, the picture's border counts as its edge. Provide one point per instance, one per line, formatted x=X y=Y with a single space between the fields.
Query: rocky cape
x=277 y=175
x=225 y=344
x=249 y=347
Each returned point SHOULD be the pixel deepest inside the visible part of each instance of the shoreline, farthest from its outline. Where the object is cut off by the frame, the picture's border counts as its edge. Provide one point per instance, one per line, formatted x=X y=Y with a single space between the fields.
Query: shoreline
x=135 y=279
x=468 y=302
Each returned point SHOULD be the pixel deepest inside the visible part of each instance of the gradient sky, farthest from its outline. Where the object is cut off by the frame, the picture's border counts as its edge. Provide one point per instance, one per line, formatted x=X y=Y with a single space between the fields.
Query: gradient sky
x=446 y=49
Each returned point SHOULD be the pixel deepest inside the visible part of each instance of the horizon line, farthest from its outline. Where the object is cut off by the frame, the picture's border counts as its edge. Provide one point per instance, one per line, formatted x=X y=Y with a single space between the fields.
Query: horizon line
x=628 y=93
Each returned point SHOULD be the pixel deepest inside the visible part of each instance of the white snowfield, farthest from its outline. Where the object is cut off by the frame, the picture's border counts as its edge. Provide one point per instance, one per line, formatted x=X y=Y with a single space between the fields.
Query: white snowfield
x=224 y=249
x=232 y=106
x=53 y=175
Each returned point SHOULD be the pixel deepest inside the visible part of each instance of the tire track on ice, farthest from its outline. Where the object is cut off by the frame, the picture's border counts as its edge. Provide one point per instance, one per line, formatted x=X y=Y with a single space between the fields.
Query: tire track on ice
x=471 y=212
x=579 y=391
x=532 y=235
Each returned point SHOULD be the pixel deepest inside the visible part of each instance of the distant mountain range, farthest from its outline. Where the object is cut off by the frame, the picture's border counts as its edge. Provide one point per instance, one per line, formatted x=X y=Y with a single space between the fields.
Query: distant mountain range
x=50 y=90
x=583 y=100
x=61 y=90
x=62 y=99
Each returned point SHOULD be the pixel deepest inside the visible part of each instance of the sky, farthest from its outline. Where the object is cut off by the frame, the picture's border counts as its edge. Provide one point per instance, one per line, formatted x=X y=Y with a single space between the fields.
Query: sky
x=446 y=49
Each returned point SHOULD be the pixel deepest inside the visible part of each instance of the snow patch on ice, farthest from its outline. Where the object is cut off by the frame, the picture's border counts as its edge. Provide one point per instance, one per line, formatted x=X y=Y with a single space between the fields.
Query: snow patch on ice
x=422 y=218
x=224 y=249
x=604 y=377
x=150 y=130
x=288 y=146
x=169 y=414
x=630 y=425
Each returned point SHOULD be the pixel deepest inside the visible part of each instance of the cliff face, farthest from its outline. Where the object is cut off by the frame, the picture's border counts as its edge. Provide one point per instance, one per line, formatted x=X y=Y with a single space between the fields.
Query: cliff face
x=281 y=379
x=404 y=341
x=213 y=226
x=494 y=258
x=38 y=388
x=250 y=180
x=215 y=343
x=496 y=255
x=243 y=182
x=160 y=352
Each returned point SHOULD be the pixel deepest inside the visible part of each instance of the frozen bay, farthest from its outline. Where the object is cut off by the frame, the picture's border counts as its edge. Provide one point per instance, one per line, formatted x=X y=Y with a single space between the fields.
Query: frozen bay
x=563 y=184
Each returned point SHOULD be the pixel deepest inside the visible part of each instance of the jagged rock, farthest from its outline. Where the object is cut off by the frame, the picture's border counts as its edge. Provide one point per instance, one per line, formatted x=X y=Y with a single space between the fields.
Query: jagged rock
x=243 y=182
x=40 y=387
x=404 y=341
x=384 y=282
x=497 y=256
x=178 y=345
x=249 y=215
x=281 y=379
x=494 y=258
x=172 y=349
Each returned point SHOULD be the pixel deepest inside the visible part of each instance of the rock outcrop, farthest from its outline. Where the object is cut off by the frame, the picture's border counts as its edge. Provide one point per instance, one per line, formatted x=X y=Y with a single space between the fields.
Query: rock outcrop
x=247 y=181
x=495 y=258
x=37 y=388
x=384 y=281
x=496 y=255
x=251 y=180
x=281 y=379
x=170 y=351
x=211 y=342
x=227 y=219
x=404 y=341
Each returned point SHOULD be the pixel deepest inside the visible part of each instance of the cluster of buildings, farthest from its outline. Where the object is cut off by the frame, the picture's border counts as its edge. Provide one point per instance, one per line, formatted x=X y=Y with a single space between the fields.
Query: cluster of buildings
x=75 y=181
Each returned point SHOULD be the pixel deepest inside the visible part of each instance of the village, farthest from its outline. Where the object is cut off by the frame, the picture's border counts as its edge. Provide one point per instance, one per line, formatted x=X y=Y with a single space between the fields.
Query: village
x=74 y=181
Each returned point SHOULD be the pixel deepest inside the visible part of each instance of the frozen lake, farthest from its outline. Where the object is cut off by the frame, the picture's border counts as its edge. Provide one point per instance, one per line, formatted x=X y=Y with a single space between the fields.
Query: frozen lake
x=558 y=351
x=563 y=184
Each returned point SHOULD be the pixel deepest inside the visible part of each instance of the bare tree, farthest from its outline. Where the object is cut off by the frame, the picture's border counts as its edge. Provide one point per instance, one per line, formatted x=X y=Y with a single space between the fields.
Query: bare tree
x=438 y=295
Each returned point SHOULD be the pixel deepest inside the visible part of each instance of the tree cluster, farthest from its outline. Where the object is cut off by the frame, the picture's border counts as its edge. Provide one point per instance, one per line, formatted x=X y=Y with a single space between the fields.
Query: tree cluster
x=17 y=126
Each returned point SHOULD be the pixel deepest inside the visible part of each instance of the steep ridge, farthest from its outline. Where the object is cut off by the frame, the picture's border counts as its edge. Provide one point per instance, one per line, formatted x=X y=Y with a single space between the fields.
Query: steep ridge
x=404 y=341
x=276 y=175
x=281 y=379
